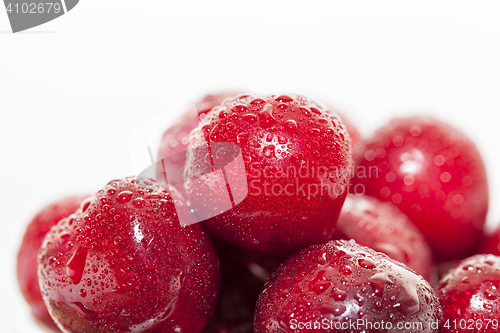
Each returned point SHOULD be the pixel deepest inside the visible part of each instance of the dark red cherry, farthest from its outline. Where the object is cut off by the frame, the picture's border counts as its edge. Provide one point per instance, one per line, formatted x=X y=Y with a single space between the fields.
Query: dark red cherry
x=341 y=286
x=124 y=263
x=297 y=158
x=435 y=175
x=469 y=295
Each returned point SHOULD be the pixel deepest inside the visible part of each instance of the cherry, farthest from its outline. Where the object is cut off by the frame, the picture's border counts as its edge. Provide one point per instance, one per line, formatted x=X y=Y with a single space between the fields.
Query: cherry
x=469 y=295
x=384 y=228
x=123 y=263
x=435 y=175
x=341 y=286
x=27 y=267
x=297 y=158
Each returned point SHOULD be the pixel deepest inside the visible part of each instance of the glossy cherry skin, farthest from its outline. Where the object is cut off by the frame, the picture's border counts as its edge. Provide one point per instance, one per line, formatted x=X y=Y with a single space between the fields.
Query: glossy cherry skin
x=297 y=157
x=343 y=282
x=123 y=263
x=384 y=228
x=435 y=175
x=27 y=266
x=469 y=295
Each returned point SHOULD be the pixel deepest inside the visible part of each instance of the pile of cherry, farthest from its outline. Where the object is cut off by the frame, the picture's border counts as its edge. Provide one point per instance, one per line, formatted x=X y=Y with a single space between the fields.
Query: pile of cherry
x=335 y=234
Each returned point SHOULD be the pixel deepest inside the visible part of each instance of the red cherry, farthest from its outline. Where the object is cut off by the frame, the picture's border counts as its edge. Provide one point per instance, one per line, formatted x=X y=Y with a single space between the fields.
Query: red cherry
x=343 y=283
x=435 y=175
x=120 y=266
x=297 y=157
x=469 y=295
x=384 y=228
x=27 y=267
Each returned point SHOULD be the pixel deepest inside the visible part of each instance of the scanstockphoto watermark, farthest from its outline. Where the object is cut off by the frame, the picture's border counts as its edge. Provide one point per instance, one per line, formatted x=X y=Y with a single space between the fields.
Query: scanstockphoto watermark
x=363 y=325
x=296 y=181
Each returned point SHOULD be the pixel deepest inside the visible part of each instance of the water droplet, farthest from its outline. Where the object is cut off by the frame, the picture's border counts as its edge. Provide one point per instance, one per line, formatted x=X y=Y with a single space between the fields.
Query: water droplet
x=490 y=295
x=305 y=112
x=390 y=177
x=409 y=180
x=214 y=134
x=268 y=151
x=439 y=160
x=257 y=101
x=76 y=264
x=291 y=126
x=139 y=203
x=222 y=115
x=458 y=199
x=346 y=270
x=366 y=263
x=338 y=309
x=398 y=141
x=315 y=110
x=85 y=204
x=339 y=295
x=239 y=108
x=380 y=152
x=467 y=181
x=314 y=131
x=436 y=186
x=296 y=158
x=250 y=118
x=396 y=198
x=242 y=137
x=266 y=119
x=282 y=140
x=415 y=130
x=124 y=197
x=111 y=191
x=445 y=177
x=440 y=196
x=284 y=99
x=369 y=155
x=118 y=240
x=83 y=293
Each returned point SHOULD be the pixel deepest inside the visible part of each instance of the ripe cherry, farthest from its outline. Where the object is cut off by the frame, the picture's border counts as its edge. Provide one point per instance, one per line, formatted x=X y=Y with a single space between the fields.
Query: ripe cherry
x=435 y=175
x=124 y=263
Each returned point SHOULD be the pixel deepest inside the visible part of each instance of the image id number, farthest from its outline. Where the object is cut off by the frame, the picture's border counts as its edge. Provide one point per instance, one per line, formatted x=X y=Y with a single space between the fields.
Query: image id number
x=34 y=8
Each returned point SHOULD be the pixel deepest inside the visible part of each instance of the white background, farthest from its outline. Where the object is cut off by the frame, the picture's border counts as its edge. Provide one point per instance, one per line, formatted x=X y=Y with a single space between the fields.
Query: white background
x=73 y=89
